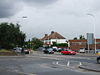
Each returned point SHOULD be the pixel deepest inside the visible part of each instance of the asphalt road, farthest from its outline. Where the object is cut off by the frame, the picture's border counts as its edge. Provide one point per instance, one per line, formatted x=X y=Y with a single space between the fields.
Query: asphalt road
x=44 y=64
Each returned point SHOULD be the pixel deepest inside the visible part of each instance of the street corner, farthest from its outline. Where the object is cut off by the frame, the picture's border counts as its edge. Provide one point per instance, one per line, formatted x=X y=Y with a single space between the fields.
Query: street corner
x=26 y=73
x=88 y=54
x=32 y=74
x=90 y=67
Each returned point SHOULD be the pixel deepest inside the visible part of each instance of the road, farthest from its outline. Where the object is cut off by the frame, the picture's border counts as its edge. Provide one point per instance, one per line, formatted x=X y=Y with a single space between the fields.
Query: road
x=45 y=64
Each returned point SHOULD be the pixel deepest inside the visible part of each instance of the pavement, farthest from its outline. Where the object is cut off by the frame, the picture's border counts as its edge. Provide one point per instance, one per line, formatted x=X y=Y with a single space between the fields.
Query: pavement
x=87 y=54
x=90 y=67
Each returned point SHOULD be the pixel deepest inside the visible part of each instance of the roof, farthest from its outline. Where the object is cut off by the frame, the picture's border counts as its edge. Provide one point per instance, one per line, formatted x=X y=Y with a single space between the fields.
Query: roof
x=46 y=37
x=53 y=35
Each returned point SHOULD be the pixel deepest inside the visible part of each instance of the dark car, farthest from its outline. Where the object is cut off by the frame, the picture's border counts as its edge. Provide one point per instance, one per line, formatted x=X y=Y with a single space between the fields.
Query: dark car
x=60 y=49
x=98 y=59
x=48 y=51
x=26 y=51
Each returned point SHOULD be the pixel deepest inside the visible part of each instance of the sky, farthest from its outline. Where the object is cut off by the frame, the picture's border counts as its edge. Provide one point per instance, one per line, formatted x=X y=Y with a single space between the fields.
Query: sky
x=70 y=18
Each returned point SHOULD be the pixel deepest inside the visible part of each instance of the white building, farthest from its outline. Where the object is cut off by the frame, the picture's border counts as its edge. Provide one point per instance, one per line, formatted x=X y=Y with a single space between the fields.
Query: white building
x=53 y=37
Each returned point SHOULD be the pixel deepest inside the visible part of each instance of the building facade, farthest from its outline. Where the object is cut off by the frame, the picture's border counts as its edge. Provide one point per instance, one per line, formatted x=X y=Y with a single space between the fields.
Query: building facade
x=53 y=37
x=77 y=44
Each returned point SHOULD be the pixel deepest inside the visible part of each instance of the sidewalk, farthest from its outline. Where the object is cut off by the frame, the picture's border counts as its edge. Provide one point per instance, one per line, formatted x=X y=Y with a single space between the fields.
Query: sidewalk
x=87 y=54
x=90 y=67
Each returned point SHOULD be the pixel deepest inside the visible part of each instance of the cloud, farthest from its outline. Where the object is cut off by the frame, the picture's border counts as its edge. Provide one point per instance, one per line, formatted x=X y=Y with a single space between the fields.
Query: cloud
x=39 y=3
x=73 y=7
x=9 y=8
x=96 y=6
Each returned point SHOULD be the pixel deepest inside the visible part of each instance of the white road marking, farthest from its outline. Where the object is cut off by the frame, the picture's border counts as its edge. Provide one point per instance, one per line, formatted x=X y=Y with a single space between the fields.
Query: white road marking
x=68 y=63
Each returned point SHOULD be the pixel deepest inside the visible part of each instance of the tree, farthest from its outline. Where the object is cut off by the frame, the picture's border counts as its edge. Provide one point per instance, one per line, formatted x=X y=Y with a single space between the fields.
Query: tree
x=36 y=43
x=81 y=37
x=75 y=38
x=62 y=45
x=11 y=36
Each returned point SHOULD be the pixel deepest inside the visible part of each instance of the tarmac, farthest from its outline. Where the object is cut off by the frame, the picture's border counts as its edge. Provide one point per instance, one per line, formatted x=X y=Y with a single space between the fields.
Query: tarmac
x=90 y=67
x=95 y=67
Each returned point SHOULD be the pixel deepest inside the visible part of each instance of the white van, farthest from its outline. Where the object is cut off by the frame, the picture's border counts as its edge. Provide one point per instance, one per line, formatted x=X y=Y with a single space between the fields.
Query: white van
x=82 y=50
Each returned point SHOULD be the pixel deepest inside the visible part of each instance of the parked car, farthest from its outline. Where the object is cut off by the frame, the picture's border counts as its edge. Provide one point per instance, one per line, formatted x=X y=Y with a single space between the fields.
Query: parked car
x=41 y=49
x=68 y=52
x=17 y=49
x=61 y=49
x=82 y=50
x=55 y=48
x=48 y=51
x=26 y=51
x=97 y=50
x=98 y=59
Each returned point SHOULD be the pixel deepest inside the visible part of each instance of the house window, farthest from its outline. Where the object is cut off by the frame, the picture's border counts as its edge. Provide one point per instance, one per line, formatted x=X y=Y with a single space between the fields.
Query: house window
x=97 y=42
x=78 y=43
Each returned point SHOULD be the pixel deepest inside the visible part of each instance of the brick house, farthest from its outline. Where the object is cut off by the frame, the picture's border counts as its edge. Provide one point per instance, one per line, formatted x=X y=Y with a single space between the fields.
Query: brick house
x=77 y=44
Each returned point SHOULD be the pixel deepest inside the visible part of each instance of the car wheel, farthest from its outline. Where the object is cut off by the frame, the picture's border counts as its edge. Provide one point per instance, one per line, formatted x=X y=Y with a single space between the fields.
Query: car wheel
x=62 y=53
x=98 y=61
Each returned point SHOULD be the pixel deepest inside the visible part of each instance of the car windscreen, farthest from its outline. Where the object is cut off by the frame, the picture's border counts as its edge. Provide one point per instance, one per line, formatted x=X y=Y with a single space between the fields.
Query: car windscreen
x=50 y=49
x=68 y=50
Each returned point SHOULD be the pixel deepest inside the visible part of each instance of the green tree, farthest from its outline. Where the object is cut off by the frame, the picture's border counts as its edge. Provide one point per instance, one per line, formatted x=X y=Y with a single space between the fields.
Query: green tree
x=59 y=44
x=81 y=37
x=11 y=36
x=75 y=38
x=62 y=45
x=28 y=44
x=36 y=43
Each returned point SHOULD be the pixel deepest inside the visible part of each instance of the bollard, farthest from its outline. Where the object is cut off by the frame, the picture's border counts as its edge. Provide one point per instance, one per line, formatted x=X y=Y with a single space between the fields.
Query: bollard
x=57 y=62
x=80 y=63
x=68 y=64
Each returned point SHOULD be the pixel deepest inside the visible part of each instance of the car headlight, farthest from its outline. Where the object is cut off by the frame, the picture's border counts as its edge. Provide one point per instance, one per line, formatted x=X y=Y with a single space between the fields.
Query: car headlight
x=71 y=52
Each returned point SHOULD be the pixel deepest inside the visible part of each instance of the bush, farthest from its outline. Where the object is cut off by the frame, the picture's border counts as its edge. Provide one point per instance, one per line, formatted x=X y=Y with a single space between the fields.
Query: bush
x=60 y=45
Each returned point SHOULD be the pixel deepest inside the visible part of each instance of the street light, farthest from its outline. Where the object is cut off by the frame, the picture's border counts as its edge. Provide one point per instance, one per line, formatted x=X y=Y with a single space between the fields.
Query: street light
x=20 y=19
x=93 y=16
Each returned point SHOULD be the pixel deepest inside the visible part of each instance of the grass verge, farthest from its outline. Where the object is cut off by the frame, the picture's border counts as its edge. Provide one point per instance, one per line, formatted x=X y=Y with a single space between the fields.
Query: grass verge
x=4 y=52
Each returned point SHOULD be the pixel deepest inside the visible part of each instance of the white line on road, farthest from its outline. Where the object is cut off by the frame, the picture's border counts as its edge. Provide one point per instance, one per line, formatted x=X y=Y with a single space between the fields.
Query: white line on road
x=68 y=63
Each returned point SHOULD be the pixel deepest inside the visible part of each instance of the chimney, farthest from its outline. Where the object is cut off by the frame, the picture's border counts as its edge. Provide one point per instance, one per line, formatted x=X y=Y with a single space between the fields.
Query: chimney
x=52 y=32
x=46 y=34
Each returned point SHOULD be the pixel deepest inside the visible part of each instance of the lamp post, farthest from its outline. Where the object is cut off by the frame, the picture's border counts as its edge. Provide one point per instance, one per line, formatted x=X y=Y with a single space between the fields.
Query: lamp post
x=93 y=16
x=21 y=18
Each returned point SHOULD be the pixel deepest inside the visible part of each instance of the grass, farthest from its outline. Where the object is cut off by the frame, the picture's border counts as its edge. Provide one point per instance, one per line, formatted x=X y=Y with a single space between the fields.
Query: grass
x=4 y=50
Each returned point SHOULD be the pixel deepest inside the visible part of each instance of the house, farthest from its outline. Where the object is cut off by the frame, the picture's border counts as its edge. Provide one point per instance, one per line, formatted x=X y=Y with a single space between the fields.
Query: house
x=77 y=44
x=53 y=37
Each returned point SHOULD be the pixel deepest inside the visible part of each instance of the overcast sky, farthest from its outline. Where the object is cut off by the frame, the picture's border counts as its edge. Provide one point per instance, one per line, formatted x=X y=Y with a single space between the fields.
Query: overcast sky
x=70 y=18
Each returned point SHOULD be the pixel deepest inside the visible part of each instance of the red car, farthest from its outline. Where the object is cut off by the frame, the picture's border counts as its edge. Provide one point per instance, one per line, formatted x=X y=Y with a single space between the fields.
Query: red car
x=68 y=52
